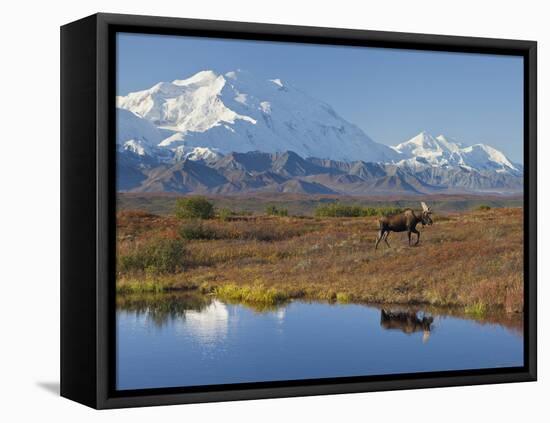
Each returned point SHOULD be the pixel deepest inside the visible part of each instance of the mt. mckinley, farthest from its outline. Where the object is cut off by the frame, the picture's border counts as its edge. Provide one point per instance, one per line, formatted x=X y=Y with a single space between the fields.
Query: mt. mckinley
x=234 y=133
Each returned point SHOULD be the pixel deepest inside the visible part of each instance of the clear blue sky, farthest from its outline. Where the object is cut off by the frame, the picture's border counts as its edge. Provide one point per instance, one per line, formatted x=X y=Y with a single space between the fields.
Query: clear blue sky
x=391 y=94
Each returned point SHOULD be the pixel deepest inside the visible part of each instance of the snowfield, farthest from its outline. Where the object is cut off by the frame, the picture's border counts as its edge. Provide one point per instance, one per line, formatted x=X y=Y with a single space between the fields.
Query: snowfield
x=441 y=151
x=238 y=112
x=209 y=115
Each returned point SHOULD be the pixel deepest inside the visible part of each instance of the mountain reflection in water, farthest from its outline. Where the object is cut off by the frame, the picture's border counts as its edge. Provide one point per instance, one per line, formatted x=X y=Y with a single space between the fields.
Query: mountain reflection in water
x=185 y=339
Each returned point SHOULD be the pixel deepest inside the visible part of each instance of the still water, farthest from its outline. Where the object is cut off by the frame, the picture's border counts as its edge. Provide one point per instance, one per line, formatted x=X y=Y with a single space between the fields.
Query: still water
x=170 y=341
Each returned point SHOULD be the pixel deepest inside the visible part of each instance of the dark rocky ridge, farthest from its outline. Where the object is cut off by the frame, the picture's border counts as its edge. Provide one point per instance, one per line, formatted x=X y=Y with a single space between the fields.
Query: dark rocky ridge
x=238 y=173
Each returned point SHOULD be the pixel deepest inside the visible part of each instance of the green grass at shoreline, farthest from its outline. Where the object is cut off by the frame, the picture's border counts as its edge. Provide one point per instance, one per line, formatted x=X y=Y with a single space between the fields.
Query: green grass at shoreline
x=260 y=296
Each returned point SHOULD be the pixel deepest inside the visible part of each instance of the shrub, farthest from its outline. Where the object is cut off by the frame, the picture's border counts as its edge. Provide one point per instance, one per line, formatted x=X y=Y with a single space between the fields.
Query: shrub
x=259 y=233
x=386 y=211
x=266 y=231
x=196 y=230
x=196 y=207
x=225 y=213
x=337 y=210
x=272 y=210
x=342 y=210
x=159 y=255
x=484 y=207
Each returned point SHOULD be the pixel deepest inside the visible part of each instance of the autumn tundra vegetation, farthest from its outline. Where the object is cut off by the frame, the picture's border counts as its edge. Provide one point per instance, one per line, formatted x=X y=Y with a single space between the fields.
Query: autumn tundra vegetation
x=469 y=260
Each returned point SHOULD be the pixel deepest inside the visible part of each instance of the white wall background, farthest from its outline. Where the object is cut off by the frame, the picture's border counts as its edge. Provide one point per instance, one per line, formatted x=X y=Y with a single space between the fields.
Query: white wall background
x=29 y=236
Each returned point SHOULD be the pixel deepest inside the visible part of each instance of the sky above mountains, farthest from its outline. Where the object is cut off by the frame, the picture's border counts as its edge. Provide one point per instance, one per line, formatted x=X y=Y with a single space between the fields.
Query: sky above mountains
x=391 y=94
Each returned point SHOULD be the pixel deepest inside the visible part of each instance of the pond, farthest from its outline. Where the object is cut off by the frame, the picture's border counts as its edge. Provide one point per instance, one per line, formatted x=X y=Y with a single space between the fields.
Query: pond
x=169 y=340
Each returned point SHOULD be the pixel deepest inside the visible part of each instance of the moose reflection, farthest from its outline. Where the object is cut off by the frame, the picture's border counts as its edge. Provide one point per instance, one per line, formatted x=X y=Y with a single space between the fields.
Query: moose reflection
x=407 y=322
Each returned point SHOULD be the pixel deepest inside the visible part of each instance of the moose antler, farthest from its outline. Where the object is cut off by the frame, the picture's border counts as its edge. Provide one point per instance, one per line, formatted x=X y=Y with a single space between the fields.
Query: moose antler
x=424 y=206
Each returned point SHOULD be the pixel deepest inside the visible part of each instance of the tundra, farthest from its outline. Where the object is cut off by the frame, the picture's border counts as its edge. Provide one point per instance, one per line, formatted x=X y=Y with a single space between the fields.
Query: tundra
x=402 y=222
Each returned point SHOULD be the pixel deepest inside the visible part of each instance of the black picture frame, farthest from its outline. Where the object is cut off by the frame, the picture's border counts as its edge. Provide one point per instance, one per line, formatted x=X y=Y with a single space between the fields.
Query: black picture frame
x=88 y=209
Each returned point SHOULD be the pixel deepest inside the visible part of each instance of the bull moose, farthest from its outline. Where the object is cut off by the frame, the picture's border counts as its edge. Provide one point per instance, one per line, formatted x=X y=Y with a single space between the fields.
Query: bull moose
x=405 y=221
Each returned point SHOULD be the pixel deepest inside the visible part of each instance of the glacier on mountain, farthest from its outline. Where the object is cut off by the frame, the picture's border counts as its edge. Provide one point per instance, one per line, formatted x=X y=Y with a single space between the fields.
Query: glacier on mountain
x=238 y=112
x=209 y=117
x=441 y=151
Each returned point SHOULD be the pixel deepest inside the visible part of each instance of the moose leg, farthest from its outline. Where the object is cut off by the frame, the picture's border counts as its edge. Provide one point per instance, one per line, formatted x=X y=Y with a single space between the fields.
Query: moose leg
x=409 y=235
x=417 y=236
x=386 y=239
x=378 y=238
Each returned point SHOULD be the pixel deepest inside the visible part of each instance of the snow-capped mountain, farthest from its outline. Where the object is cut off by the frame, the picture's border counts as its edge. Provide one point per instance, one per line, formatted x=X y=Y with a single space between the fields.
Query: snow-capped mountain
x=234 y=133
x=238 y=112
x=441 y=151
x=137 y=135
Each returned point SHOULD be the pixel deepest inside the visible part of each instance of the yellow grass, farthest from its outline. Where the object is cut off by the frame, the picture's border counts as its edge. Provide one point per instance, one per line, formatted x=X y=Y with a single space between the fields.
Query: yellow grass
x=472 y=260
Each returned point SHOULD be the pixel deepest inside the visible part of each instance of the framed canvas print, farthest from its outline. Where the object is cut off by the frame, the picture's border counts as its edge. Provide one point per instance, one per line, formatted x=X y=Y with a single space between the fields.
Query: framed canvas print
x=255 y=211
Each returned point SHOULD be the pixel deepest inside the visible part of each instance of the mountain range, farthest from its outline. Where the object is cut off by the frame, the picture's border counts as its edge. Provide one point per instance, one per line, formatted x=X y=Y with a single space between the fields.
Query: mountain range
x=234 y=133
